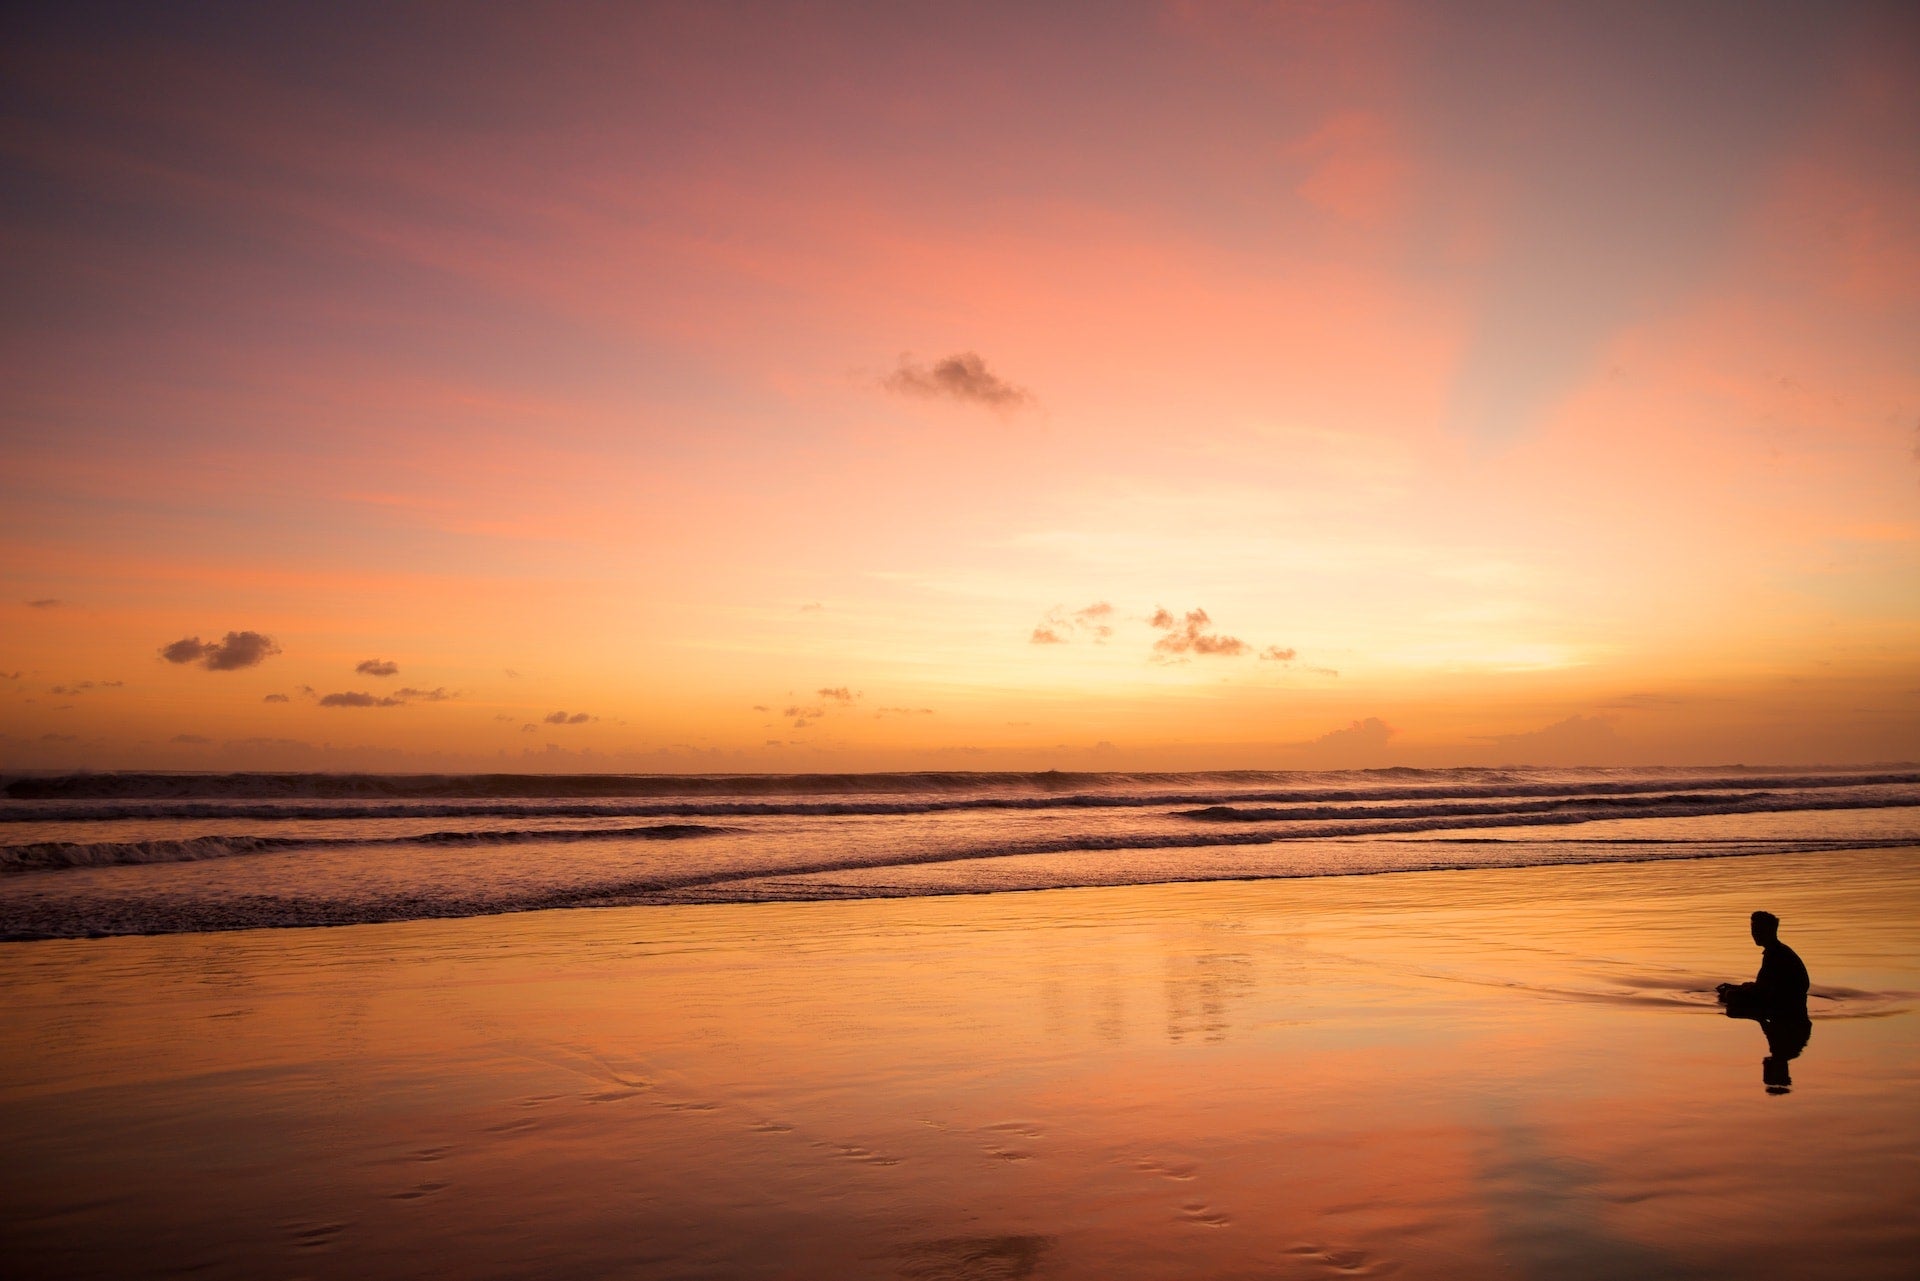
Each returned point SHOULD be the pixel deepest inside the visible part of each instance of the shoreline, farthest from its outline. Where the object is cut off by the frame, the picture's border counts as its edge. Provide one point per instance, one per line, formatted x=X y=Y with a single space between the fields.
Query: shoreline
x=1502 y=1072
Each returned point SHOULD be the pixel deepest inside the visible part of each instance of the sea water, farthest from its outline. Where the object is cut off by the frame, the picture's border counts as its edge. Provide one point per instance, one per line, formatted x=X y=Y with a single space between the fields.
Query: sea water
x=145 y=853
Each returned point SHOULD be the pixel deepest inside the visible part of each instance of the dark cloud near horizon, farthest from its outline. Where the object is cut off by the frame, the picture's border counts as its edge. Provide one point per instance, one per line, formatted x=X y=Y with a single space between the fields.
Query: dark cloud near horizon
x=1369 y=735
x=229 y=654
x=562 y=718
x=378 y=667
x=81 y=687
x=46 y=602
x=276 y=698
x=963 y=377
x=354 y=698
x=1189 y=635
x=194 y=739
x=438 y=694
x=1577 y=740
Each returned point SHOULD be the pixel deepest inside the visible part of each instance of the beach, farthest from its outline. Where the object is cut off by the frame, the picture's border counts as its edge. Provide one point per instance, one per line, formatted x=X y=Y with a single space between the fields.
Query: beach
x=1487 y=1072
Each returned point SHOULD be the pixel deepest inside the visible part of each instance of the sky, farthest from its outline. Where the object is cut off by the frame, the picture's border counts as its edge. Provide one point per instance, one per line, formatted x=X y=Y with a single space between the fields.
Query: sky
x=717 y=387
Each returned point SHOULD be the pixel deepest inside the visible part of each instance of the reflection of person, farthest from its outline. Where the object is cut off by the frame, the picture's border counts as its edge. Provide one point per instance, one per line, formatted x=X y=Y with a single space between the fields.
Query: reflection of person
x=1776 y=1000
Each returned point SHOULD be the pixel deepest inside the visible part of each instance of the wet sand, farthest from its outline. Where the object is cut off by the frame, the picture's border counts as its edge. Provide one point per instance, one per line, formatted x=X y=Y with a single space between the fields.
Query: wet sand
x=1459 y=1074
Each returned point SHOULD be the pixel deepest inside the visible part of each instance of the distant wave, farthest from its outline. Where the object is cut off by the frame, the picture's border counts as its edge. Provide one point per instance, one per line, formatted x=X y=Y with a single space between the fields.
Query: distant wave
x=1149 y=795
x=1571 y=809
x=1304 y=823
x=1343 y=784
x=52 y=855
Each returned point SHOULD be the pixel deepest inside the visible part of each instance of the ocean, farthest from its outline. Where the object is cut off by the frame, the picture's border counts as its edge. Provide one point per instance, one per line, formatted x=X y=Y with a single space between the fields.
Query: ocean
x=153 y=853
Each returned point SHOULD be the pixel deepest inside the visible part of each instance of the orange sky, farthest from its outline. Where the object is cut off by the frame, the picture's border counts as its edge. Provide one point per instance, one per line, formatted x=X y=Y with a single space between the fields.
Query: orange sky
x=805 y=387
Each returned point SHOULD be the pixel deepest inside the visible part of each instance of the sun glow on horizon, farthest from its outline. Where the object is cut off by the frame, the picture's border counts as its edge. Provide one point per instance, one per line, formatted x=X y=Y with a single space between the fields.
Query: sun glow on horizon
x=1191 y=387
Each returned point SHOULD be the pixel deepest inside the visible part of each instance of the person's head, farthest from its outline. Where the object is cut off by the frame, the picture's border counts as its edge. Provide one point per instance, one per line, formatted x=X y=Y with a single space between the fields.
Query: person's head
x=1766 y=928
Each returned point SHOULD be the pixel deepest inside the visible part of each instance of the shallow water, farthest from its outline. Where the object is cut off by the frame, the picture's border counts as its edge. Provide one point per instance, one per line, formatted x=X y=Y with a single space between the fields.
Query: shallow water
x=1488 y=1073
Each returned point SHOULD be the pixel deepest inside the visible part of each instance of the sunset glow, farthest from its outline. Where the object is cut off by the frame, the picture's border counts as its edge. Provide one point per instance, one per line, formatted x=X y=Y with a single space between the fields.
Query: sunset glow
x=1163 y=387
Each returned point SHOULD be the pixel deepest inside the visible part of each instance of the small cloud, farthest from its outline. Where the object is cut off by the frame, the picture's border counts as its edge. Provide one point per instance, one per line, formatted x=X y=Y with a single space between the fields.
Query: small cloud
x=503 y=716
x=839 y=694
x=276 y=698
x=1190 y=635
x=1277 y=654
x=803 y=716
x=45 y=602
x=529 y=728
x=231 y=653
x=511 y=674
x=438 y=694
x=562 y=718
x=11 y=676
x=761 y=707
x=963 y=376
x=378 y=667
x=306 y=691
x=191 y=738
x=812 y=607
x=904 y=711
x=1046 y=636
x=353 y=698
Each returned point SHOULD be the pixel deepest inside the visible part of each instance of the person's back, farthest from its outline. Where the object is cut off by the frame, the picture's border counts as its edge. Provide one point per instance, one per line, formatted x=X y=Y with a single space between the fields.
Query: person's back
x=1783 y=975
x=1782 y=979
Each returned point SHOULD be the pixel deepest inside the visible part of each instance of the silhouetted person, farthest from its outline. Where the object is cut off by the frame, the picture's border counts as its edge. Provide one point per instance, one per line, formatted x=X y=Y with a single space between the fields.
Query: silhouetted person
x=1782 y=977
x=1776 y=1000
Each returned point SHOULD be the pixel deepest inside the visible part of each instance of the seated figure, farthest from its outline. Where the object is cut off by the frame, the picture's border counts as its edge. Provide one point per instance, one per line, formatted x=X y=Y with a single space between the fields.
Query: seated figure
x=1776 y=1000
x=1782 y=980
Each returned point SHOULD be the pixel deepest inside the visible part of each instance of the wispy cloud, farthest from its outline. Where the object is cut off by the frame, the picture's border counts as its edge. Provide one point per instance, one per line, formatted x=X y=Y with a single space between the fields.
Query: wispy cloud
x=232 y=652
x=1278 y=654
x=378 y=667
x=81 y=687
x=46 y=602
x=1061 y=625
x=839 y=694
x=962 y=377
x=276 y=698
x=564 y=718
x=438 y=694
